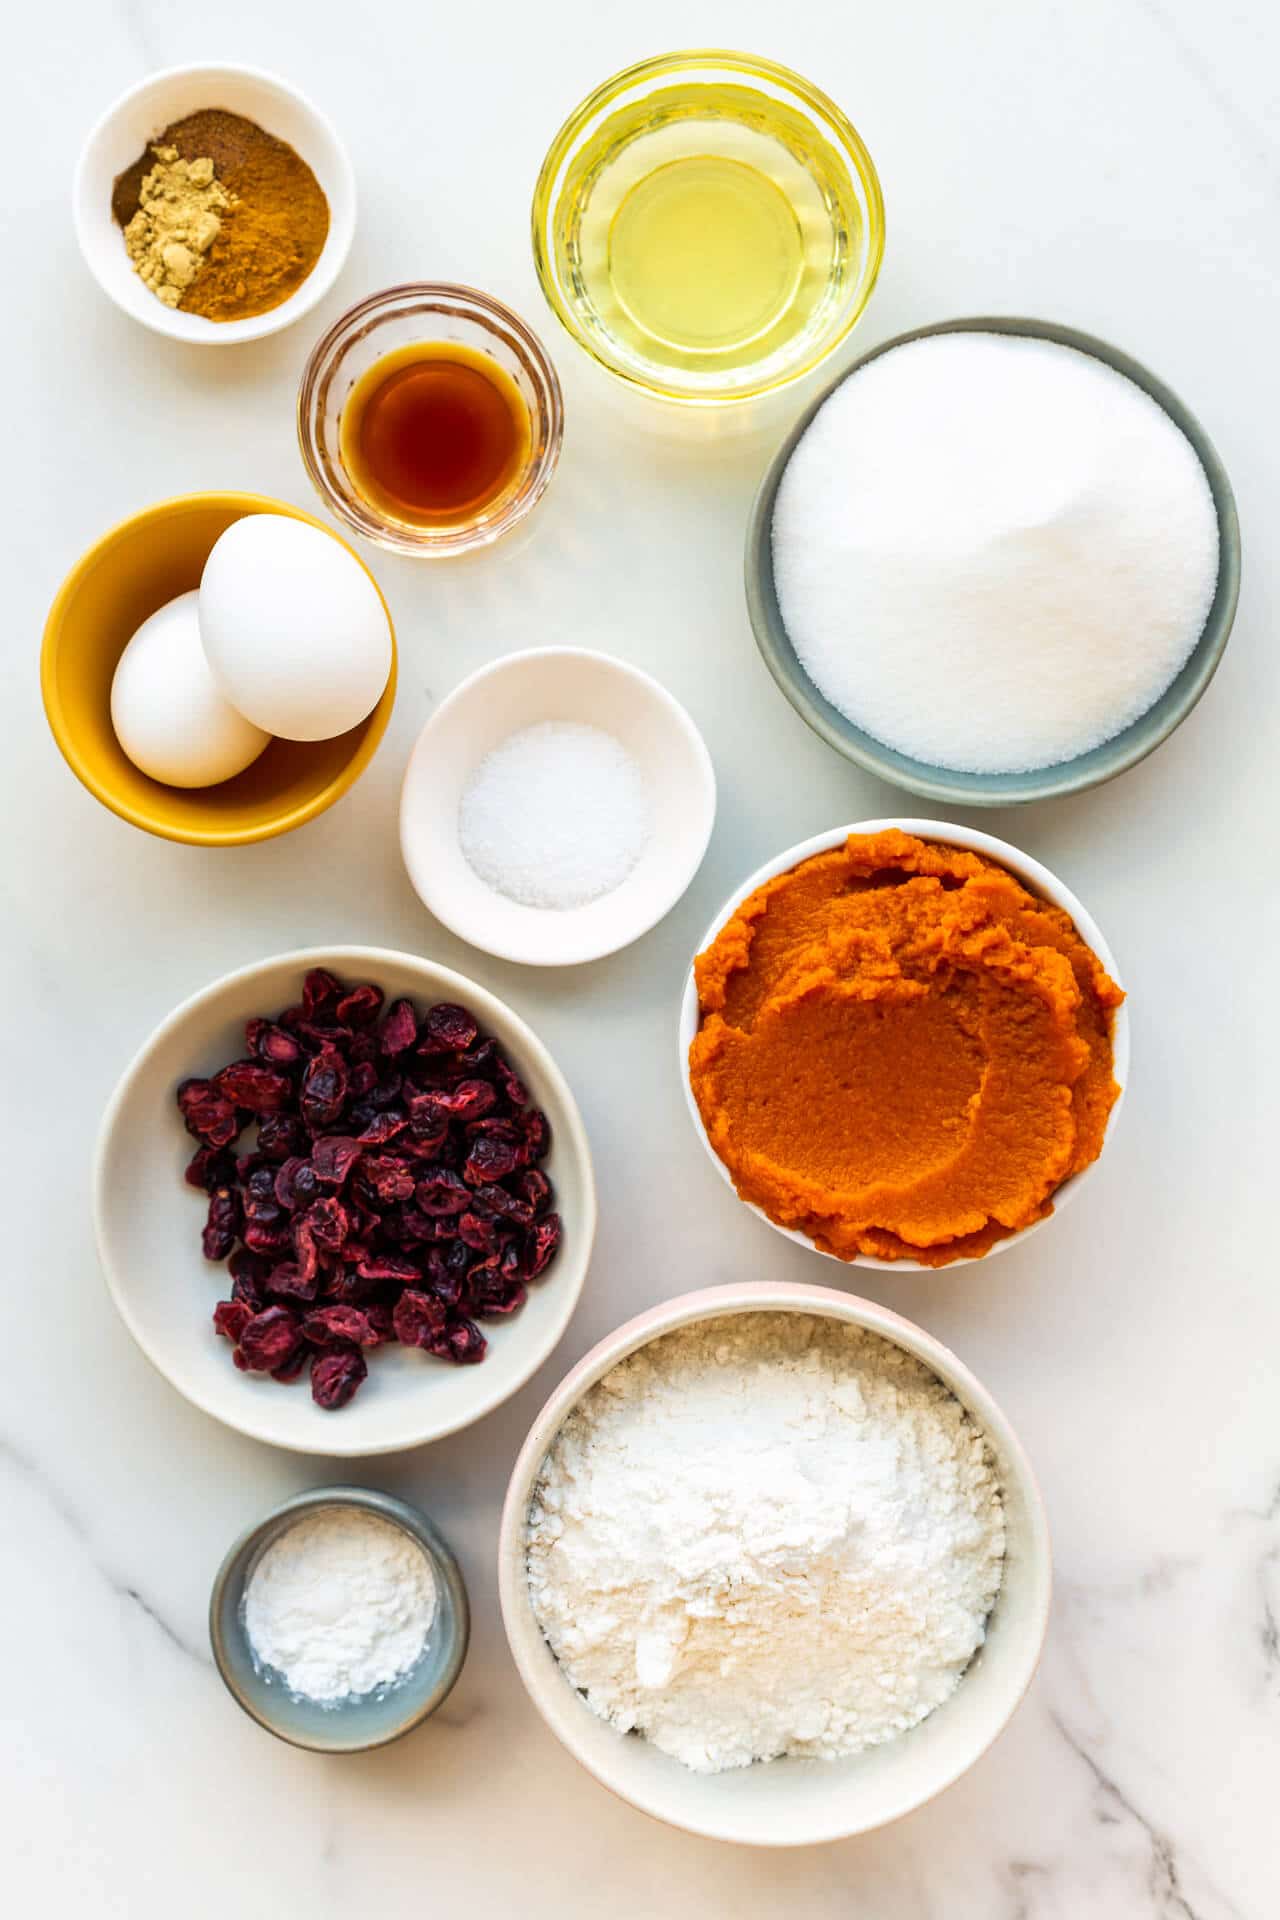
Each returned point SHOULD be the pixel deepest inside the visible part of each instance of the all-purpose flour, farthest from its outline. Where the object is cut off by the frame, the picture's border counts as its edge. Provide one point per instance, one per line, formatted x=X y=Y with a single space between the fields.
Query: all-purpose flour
x=340 y=1604
x=766 y=1534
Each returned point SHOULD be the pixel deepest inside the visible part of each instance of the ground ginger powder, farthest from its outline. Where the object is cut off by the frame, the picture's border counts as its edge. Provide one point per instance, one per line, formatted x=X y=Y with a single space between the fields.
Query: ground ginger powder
x=180 y=204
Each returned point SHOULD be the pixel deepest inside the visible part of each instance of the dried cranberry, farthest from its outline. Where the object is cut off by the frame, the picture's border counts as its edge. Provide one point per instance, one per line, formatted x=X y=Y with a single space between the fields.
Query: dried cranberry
x=289 y=1279
x=271 y=1043
x=383 y=1126
x=419 y=1319
x=510 y=1082
x=440 y=1191
x=324 y=1089
x=260 y=1202
x=534 y=1188
x=413 y=1227
x=360 y=1007
x=318 y=990
x=364 y=1078
x=210 y=1167
x=479 y=1231
x=446 y=1028
x=291 y=1368
x=281 y=1135
x=399 y=1029
x=390 y=1266
x=499 y=1300
x=249 y=1273
x=388 y=1177
x=333 y=1155
x=469 y=1100
x=495 y=1149
x=508 y=1206
x=222 y=1225
x=536 y=1129
x=267 y=1239
x=466 y=1342
x=207 y=1114
x=428 y=1119
x=336 y=1375
x=289 y=1190
x=380 y=1319
x=332 y=1326
x=257 y=1088
x=542 y=1243
x=230 y=1318
x=329 y=1224
x=269 y=1339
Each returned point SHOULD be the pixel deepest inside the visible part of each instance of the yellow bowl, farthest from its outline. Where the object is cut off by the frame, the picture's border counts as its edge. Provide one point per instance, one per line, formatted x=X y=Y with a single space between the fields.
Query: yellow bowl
x=123 y=578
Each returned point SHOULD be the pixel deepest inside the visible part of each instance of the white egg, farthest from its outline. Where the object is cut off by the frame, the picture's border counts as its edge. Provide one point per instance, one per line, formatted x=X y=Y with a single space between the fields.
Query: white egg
x=167 y=711
x=294 y=629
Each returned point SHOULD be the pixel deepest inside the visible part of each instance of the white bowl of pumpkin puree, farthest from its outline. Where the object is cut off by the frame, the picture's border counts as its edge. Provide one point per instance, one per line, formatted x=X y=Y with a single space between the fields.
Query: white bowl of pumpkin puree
x=904 y=1043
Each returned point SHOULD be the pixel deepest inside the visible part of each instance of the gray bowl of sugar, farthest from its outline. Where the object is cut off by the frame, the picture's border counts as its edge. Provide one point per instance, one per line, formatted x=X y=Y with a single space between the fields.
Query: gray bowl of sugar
x=361 y=1601
x=984 y=787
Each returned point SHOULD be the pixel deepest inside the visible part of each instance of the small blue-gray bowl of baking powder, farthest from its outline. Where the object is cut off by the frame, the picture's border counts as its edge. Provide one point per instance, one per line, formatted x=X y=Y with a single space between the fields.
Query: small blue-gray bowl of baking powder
x=340 y=1621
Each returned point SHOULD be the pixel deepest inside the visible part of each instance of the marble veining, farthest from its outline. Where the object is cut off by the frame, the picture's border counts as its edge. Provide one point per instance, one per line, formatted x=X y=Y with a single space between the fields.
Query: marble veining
x=1113 y=166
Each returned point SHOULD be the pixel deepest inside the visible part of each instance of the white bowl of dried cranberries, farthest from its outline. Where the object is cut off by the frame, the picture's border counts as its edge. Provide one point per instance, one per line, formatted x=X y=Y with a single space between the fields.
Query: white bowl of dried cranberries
x=344 y=1201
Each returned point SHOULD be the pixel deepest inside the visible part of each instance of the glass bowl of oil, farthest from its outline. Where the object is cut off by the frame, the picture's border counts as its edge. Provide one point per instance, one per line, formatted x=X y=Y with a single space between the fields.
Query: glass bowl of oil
x=708 y=226
x=430 y=419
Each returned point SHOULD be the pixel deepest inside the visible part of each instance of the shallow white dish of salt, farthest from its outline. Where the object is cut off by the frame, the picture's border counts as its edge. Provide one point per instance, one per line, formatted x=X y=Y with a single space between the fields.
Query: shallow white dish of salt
x=991 y=552
x=556 y=806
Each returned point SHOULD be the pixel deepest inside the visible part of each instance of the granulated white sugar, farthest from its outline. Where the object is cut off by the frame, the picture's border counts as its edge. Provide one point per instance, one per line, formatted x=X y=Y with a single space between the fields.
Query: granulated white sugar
x=993 y=553
x=556 y=816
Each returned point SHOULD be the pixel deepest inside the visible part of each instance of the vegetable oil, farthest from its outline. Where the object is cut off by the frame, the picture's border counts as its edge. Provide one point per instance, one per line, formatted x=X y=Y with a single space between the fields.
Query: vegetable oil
x=706 y=229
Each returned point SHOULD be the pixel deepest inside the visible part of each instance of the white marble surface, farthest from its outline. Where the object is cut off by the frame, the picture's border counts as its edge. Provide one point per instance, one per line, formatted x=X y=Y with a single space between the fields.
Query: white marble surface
x=1111 y=165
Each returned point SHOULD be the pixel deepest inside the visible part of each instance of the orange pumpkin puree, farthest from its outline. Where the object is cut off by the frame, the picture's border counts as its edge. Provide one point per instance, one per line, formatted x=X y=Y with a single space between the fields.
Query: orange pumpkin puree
x=902 y=1052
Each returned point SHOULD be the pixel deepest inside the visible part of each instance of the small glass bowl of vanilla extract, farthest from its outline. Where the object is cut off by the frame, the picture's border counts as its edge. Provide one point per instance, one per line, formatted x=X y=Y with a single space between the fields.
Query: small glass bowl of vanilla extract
x=430 y=419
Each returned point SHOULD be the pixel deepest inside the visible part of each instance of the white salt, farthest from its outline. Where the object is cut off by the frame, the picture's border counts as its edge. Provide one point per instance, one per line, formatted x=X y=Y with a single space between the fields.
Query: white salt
x=556 y=816
x=993 y=553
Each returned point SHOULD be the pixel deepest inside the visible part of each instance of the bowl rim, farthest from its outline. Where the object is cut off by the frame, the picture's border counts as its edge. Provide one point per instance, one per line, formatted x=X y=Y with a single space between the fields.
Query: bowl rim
x=1042 y=881
x=230 y=1576
x=446 y=543
x=486 y=1005
x=940 y=784
x=691 y=60
x=715 y=1302
x=374 y=725
x=319 y=281
x=682 y=874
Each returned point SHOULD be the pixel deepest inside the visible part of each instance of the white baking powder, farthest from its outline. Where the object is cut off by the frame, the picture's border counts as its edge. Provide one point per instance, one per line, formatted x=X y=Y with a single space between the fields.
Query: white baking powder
x=556 y=816
x=768 y=1534
x=993 y=553
x=340 y=1604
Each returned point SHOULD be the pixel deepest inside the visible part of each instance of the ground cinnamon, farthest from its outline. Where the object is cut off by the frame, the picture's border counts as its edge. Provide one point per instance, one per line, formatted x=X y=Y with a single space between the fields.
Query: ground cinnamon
x=272 y=234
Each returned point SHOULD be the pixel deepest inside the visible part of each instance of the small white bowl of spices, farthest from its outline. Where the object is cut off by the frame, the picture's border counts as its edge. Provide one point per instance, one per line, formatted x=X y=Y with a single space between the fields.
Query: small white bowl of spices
x=237 y=226
x=340 y=1621
x=556 y=806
